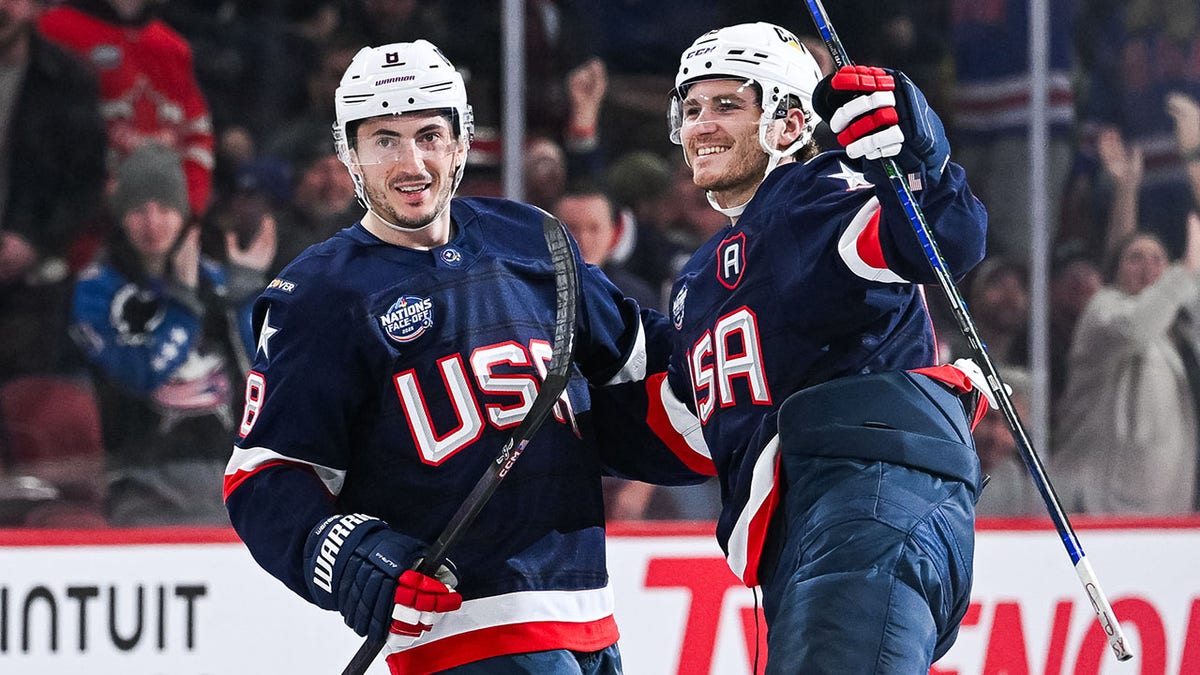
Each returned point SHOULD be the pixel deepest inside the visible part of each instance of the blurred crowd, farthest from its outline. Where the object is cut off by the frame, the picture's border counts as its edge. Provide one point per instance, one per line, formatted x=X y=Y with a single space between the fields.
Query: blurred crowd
x=160 y=162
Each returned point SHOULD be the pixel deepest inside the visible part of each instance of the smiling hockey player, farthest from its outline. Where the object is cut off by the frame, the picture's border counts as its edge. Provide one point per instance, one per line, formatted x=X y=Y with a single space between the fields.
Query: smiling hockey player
x=393 y=361
x=844 y=452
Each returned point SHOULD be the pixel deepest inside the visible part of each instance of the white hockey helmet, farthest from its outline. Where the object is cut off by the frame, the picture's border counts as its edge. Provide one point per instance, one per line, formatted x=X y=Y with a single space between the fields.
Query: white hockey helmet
x=771 y=57
x=394 y=79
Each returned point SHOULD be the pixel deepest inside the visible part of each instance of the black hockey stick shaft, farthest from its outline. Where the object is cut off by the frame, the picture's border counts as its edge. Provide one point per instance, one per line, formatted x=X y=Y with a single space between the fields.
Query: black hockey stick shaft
x=1083 y=568
x=558 y=374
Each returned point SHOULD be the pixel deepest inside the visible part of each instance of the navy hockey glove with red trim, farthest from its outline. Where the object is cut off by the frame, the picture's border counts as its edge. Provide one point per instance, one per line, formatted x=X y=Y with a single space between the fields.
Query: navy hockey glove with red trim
x=353 y=564
x=877 y=113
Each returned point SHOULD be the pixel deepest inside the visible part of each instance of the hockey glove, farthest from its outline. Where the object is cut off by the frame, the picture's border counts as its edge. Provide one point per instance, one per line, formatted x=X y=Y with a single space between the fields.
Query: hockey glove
x=353 y=564
x=420 y=600
x=879 y=113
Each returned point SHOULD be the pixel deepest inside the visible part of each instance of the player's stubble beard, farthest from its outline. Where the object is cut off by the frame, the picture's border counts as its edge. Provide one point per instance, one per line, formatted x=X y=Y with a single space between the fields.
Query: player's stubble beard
x=444 y=184
x=745 y=165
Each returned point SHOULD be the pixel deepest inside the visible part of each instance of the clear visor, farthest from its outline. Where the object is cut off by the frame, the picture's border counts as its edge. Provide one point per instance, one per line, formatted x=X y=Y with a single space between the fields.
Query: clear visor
x=384 y=147
x=716 y=104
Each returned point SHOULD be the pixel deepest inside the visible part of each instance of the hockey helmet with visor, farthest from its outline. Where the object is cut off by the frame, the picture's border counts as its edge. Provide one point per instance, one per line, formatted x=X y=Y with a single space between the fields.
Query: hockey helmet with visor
x=766 y=56
x=399 y=79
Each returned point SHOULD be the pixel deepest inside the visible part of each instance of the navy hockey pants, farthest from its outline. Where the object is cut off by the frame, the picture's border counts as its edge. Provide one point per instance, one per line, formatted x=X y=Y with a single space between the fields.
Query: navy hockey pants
x=554 y=662
x=875 y=572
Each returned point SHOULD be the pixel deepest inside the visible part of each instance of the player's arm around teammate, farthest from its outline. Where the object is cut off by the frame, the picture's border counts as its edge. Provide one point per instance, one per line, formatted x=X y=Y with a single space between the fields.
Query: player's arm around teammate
x=394 y=360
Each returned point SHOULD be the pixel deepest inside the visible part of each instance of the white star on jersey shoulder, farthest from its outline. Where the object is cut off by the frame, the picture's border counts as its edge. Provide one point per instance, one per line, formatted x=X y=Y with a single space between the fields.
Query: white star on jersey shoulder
x=264 y=336
x=854 y=179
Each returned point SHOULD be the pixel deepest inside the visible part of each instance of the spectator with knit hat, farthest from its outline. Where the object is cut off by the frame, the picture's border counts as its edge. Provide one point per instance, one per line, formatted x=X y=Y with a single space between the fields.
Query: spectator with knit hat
x=167 y=334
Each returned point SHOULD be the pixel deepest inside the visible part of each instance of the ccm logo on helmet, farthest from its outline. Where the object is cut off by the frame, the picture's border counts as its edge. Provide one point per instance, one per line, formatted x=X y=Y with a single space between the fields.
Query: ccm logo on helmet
x=698 y=52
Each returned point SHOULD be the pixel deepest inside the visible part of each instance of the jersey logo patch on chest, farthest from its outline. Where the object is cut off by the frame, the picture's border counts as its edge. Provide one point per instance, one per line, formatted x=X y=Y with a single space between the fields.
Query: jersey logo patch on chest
x=408 y=318
x=731 y=260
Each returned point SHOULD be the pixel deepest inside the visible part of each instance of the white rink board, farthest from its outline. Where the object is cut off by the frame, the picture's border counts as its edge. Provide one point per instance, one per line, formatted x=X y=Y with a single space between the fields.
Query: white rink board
x=207 y=609
x=244 y=622
x=1024 y=580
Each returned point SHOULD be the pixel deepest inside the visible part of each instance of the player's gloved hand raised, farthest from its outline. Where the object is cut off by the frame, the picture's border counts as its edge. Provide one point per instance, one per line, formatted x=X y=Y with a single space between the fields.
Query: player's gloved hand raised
x=353 y=563
x=420 y=601
x=877 y=113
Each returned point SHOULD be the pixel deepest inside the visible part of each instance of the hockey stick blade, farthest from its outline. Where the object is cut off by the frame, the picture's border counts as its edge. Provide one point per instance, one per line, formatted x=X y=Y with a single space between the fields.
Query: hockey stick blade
x=558 y=374
x=1104 y=610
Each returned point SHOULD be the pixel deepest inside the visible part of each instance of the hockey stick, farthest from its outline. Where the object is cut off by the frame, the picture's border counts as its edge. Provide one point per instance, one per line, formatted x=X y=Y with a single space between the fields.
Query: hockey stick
x=1083 y=568
x=558 y=374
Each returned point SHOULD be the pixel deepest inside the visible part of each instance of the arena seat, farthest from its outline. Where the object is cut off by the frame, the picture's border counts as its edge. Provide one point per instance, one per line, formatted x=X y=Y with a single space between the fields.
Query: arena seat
x=50 y=438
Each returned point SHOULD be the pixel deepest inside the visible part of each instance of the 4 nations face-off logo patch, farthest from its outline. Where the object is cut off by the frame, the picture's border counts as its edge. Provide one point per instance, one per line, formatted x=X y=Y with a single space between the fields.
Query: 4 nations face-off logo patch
x=731 y=260
x=408 y=318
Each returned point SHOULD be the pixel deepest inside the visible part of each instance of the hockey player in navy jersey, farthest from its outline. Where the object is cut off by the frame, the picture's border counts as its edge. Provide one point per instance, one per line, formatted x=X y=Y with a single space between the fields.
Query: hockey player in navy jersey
x=847 y=468
x=392 y=362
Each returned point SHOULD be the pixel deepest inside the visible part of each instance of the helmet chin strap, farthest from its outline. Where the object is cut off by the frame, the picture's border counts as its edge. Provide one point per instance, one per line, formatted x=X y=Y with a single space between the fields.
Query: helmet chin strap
x=732 y=212
x=391 y=226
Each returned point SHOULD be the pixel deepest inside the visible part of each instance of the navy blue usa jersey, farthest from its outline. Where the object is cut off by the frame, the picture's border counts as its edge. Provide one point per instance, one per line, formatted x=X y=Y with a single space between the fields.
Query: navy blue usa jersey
x=386 y=380
x=818 y=279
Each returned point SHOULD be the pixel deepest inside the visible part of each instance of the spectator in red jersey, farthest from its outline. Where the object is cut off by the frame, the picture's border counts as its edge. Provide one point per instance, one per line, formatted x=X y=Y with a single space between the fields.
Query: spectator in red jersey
x=148 y=87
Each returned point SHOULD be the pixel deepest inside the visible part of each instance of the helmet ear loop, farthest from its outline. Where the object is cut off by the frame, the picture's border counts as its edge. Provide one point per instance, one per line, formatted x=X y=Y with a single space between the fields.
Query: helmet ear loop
x=466 y=128
x=347 y=155
x=774 y=154
x=461 y=169
x=360 y=189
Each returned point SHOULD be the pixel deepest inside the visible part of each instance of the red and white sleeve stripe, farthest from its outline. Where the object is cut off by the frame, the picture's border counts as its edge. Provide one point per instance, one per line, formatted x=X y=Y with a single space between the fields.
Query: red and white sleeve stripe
x=246 y=462
x=860 y=249
x=672 y=422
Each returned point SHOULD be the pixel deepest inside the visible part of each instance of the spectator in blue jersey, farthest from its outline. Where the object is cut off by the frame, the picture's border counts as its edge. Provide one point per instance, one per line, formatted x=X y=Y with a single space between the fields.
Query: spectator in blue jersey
x=848 y=472
x=992 y=108
x=167 y=333
x=393 y=362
